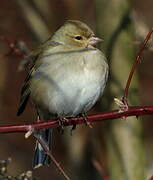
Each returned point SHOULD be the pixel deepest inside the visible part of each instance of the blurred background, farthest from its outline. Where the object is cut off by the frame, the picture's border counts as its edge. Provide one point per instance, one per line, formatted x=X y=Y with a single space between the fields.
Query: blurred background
x=111 y=150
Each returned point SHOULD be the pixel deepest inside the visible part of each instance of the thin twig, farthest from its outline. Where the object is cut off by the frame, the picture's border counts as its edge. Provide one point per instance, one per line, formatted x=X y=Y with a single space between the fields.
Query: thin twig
x=137 y=61
x=20 y=49
x=98 y=165
x=132 y=111
x=46 y=149
x=14 y=46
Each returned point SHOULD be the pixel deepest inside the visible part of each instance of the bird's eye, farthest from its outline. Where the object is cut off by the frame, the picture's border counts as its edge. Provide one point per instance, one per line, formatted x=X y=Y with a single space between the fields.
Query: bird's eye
x=78 y=37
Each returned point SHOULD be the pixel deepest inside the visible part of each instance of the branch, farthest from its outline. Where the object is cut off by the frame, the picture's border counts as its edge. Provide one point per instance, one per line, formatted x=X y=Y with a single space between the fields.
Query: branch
x=137 y=61
x=100 y=168
x=16 y=47
x=132 y=111
x=20 y=49
x=48 y=152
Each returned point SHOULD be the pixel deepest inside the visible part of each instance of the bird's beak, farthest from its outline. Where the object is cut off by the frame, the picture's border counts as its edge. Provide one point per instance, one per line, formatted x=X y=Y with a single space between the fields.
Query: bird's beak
x=94 y=40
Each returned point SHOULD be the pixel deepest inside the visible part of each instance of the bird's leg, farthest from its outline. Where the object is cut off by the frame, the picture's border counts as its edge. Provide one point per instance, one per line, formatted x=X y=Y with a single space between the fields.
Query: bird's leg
x=73 y=128
x=62 y=121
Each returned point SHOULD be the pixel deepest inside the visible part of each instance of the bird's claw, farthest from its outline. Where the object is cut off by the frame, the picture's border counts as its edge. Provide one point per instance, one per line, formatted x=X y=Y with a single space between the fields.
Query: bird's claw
x=73 y=128
x=62 y=121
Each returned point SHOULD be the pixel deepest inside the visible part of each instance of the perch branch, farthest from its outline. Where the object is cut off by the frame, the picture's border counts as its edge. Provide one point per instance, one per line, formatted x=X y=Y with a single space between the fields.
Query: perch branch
x=132 y=111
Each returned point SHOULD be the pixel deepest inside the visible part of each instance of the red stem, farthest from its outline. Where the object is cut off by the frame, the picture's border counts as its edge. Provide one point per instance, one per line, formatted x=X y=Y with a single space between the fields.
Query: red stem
x=14 y=49
x=137 y=61
x=132 y=111
x=100 y=168
x=48 y=152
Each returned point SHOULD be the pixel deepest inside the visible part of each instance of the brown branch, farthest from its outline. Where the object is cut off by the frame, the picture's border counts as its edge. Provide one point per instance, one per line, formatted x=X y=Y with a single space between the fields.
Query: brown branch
x=46 y=149
x=100 y=168
x=19 y=49
x=137 y=61
x=15 y=47
x=132 y=111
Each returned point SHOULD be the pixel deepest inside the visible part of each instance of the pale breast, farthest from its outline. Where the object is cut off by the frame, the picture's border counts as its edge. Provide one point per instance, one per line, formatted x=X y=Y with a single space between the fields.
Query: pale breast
x=72 y=84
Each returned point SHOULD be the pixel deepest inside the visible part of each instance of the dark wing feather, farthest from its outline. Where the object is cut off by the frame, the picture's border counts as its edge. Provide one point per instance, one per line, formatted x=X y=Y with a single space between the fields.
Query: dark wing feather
x=25 y=91
x=23 y=103
x=25 y=94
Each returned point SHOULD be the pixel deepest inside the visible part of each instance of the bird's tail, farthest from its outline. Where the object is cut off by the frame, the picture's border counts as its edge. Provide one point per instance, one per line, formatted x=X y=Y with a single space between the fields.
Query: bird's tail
x=40 y=156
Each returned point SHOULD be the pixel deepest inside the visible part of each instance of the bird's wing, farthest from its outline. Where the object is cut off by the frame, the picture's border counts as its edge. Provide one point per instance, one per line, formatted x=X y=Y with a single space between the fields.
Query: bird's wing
x=25 y=91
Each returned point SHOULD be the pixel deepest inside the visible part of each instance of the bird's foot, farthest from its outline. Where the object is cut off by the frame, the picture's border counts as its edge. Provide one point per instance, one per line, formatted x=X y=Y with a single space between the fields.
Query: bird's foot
x=73 y=128
x=62 y=121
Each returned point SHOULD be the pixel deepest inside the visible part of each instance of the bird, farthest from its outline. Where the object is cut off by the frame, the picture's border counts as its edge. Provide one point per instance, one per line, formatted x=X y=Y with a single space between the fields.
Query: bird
x=67 y=77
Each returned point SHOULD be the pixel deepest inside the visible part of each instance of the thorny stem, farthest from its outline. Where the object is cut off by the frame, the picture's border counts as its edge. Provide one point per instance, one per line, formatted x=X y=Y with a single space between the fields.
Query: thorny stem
x=132 y=111
x=137 y=61
x=45 y=147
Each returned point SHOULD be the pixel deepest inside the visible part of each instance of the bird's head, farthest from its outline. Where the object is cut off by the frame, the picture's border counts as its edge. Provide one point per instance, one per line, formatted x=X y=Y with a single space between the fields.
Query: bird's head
x=75 y=33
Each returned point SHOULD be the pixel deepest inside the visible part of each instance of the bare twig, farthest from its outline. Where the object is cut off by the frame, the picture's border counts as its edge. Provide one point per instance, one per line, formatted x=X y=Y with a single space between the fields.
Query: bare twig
x=98 y=165
x=46 y=149
x=132 y=111
x=18 y=48
x=137 y=61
